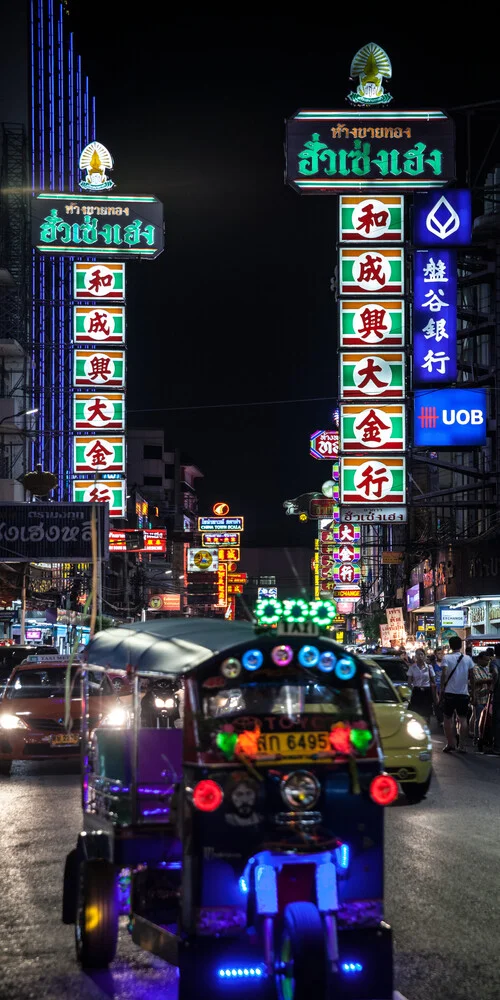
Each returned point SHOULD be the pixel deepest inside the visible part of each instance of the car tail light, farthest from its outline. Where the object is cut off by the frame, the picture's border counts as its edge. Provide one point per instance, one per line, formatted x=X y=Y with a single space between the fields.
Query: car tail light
x=207 y=795
x=384 y=789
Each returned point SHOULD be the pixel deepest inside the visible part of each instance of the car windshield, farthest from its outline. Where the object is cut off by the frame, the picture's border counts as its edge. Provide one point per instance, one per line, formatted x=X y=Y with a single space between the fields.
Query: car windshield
x=381 y=691
x=50 y=683
x=395 y=669
x=285 y=699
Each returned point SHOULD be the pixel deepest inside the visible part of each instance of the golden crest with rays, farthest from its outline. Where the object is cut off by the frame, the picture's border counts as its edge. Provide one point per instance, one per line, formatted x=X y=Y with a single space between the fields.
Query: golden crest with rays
x=96 y=159
x=371 y=64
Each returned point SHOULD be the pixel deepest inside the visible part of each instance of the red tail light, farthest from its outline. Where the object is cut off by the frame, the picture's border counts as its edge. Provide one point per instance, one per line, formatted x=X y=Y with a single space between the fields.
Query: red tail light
x=207 y=795
x=384 y=789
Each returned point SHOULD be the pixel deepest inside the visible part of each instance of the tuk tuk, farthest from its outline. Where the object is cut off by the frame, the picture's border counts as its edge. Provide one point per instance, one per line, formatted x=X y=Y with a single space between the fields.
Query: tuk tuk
x=245 y=840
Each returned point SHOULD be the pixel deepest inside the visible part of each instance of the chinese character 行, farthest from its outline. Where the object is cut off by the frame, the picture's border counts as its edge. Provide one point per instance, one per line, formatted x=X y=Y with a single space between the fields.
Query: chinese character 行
x=371 y=483
x=439 y=358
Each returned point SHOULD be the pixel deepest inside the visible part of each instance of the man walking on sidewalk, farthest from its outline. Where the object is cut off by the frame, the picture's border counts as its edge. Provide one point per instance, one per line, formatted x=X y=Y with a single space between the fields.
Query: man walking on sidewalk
x=455 y=694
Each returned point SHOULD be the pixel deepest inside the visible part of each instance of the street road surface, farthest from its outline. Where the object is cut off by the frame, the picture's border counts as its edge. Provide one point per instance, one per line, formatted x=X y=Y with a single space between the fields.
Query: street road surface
x=442 y=890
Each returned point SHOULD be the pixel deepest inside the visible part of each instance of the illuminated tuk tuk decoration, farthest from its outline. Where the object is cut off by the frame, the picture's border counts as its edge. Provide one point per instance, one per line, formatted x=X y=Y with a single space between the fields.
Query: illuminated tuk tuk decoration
x=371 y=64
x=294 y=611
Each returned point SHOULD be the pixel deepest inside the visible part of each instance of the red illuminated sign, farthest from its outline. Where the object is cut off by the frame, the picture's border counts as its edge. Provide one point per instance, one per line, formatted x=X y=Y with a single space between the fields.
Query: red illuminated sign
x=216 y=538
x=138 y=540
x=229 y=555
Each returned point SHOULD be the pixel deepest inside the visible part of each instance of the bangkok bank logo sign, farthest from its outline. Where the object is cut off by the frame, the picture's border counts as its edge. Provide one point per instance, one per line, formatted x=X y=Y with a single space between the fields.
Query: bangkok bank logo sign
x=450 y=418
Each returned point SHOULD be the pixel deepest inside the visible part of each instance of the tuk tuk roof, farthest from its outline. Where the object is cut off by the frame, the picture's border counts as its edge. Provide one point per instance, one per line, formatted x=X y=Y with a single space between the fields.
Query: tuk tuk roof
x=168 y=645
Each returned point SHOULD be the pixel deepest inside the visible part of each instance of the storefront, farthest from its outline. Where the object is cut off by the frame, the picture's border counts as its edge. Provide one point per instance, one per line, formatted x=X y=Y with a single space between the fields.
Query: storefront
x=476 y=619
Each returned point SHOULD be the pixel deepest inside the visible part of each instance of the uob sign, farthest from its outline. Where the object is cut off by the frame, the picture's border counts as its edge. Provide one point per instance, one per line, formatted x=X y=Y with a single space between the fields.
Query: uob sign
x=449 y=418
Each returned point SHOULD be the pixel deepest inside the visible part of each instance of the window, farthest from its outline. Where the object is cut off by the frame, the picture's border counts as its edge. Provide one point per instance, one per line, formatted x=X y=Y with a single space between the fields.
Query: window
x=153 y=451
x=170 y=471
x=152 y=481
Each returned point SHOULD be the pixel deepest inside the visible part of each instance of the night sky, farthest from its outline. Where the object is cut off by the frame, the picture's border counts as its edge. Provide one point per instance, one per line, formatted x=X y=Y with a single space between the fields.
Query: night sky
x=238 y=308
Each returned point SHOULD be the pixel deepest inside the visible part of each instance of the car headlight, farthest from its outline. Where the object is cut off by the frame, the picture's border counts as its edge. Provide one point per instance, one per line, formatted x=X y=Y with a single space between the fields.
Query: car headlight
x=117 y=719
x=12 y=722
x=416 y=730
x=167 y=703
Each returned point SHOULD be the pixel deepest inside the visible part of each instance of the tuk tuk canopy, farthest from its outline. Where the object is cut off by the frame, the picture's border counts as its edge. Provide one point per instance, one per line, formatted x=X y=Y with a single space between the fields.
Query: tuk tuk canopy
x=169 y=645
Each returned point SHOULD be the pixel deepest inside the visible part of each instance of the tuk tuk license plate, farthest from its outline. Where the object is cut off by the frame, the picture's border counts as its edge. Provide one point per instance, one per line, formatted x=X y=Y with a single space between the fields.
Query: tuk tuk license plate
x=64 y=740
x=293 y=744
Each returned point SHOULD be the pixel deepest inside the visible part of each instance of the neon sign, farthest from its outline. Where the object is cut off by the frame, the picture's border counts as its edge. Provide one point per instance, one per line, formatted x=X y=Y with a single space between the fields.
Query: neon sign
x=112 y=225
x=270 y=611
x=335 y=151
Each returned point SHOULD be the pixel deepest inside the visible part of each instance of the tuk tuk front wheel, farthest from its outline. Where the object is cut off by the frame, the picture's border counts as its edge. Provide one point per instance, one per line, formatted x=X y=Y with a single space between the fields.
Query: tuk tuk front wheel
x=96 y=928
x=302 y=958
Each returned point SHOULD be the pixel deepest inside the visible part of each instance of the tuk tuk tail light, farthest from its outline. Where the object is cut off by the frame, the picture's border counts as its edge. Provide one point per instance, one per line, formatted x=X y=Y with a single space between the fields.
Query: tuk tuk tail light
x=207 y=795
x=384 y=789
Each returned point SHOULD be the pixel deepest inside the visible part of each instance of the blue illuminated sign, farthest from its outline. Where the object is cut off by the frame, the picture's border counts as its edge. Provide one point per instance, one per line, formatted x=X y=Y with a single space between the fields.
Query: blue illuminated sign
x=443 y=219
x=450 y=418
x=434 y=317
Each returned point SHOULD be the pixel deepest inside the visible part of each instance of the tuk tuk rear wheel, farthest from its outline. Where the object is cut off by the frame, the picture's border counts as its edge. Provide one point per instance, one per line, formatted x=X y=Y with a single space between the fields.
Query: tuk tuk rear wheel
x=302 y=959
x=96 y=928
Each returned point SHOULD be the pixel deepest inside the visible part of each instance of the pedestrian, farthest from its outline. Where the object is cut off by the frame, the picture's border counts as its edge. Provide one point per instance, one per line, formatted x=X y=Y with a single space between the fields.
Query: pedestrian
x=456 y=671
x=481 y=684
x=422 y=681
x=495 y=673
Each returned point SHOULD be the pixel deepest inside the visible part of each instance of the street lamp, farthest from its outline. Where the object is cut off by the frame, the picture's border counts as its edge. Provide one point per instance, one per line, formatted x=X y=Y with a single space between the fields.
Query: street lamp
x=23 y=413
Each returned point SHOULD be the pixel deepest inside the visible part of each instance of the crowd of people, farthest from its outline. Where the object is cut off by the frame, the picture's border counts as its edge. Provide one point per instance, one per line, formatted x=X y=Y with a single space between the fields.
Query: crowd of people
x=461 y=691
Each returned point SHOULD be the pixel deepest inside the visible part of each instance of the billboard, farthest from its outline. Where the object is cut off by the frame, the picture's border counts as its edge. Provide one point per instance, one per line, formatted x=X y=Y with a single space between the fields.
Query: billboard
x=450 y=418
x=99 y=281
x=376 y=272
x=454 y=617
x=103 y=325
x=165 y=602
x=220 y=524
x=92 y=225
x=443 y=219
x=366 y=218
x=202 y=560
x=328 y=152
x=380 y=427
x=102 y=491
x=377 y=376
x=324 y=444
x=434 y=317
x=372 y=323
x=413 y=598
x=99 y=368
x=375 y=480
x=152 y=540
x=99 y=454
x=98 y=411
x=51 y=532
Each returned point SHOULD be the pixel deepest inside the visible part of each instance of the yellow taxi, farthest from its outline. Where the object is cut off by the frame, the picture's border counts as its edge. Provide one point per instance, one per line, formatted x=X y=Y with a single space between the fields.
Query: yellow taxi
x=32 y=710
x=405 y=736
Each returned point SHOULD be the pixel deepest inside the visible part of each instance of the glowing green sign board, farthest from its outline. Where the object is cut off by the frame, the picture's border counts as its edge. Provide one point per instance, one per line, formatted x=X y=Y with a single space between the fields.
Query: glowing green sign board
x=270 y=611
x=129 y=226
x=328 y=152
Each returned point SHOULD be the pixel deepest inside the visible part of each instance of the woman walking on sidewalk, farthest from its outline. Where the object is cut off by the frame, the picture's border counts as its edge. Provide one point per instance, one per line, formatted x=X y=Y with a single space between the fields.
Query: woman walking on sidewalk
x=422 y=679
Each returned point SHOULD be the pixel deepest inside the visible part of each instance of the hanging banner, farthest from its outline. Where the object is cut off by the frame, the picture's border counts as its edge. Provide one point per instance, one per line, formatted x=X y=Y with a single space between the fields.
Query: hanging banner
x=380 y=376
x=93 y=412
x=98 y=325
x=98 y=281
x=372 y=428
x=99 y=454
x=97 y=367
x=110 y=491
x=328 y=152
x=373 y=480
x=374 y=219
x=369 y=324
x=377 y=271
x=434 y=317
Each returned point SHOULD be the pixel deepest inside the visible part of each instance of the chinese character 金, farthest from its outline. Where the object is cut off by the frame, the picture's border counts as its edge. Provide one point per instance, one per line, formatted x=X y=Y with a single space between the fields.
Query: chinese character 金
x=371 y=427
x=98 y=453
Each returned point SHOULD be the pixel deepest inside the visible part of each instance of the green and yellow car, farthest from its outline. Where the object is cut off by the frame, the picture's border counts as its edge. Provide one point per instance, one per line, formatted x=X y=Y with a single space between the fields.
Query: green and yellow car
x=405 y=736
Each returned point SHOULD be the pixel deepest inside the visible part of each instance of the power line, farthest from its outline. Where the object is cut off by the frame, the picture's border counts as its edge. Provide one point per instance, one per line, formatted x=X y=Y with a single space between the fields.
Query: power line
x=219 y=406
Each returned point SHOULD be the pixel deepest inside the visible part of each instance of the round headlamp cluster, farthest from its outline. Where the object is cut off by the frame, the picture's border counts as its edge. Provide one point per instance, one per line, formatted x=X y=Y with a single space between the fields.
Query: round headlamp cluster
x=300 y=790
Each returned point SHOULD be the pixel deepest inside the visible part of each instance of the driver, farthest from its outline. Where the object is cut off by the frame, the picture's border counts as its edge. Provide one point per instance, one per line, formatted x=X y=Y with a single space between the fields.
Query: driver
x=161 y=700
